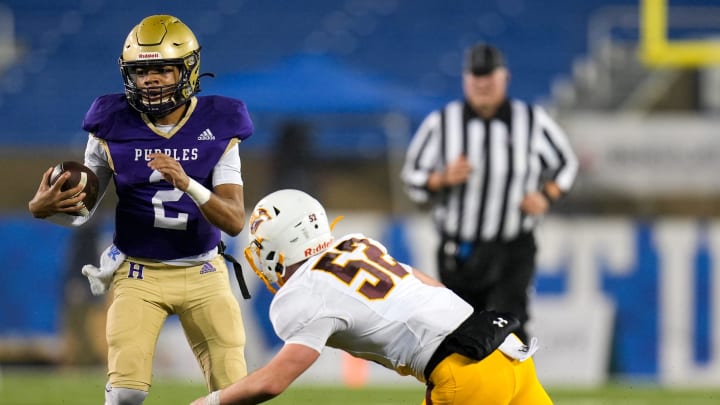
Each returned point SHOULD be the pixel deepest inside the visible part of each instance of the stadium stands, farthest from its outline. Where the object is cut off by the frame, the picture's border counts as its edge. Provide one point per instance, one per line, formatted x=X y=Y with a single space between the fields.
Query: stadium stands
x=68 y=49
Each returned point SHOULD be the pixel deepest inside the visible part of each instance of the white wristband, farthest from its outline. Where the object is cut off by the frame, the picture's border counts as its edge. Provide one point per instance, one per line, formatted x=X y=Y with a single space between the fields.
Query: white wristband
x=198 y=192
x=213 y=398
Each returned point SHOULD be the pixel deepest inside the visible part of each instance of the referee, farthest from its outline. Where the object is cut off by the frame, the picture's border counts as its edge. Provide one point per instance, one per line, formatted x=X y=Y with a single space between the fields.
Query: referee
x=489 y=167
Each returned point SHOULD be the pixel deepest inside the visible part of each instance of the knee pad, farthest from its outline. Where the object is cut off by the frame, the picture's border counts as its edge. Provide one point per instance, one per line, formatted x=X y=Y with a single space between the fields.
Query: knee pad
x=123 y=396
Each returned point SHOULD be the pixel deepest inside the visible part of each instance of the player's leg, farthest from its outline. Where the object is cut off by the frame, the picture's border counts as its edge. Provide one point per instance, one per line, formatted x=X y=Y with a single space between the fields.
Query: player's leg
x=134 y=322
x=530 y=391
x=511 y=291
x=470 y=277
x=213 y=325
x=123 y=396
x=460 y=380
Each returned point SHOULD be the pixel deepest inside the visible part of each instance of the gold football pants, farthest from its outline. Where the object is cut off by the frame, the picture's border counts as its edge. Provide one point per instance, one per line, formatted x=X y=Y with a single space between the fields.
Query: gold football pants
x=496 y=380
x=145 y=293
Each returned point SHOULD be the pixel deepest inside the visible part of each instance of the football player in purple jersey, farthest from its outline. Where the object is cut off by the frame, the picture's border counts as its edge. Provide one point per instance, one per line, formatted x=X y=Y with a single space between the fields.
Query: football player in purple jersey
x=174 y=160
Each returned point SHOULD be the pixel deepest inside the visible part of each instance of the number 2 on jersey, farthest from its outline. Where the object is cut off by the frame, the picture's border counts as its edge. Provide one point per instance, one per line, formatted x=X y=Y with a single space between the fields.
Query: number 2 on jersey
x=161 y=220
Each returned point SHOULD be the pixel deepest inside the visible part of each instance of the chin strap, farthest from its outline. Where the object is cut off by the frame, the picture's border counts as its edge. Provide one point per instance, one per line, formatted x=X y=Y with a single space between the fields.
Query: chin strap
x=335 y=221
x=238 y=270
x=251 y=261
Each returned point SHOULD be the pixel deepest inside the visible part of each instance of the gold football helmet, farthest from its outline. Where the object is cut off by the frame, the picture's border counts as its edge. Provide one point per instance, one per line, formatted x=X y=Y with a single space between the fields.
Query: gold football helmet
x=158 y=41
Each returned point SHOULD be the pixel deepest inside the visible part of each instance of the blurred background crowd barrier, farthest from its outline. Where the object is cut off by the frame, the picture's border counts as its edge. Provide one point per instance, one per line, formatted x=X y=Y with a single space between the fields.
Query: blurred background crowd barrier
x=628 y=278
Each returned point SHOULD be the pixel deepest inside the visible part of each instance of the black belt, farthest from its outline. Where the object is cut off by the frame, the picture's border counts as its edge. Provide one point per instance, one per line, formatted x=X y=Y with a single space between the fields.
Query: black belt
x=238 y=270
x=475 y=338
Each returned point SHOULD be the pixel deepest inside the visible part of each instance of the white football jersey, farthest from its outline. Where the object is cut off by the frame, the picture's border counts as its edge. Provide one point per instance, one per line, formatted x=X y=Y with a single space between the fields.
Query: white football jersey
x=357 y=298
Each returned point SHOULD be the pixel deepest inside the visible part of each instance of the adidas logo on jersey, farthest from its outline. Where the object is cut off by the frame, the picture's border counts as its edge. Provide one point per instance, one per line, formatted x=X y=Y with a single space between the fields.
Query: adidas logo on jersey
x=206 y=135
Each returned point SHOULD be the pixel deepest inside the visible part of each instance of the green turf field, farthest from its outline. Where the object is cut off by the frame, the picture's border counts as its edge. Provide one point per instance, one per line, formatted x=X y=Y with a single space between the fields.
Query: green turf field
x=83 y=388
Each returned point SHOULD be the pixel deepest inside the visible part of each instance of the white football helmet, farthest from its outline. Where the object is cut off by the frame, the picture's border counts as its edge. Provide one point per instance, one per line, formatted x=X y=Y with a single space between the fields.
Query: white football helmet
x=286 y=227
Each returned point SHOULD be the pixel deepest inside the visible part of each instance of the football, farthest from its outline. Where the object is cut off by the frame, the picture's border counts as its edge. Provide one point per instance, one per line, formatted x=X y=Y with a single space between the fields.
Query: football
x=79 y=174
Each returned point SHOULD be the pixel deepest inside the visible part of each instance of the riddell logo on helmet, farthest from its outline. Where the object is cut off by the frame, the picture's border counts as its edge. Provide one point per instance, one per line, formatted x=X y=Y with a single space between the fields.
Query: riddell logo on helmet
x=317 y=249
x=149 y=55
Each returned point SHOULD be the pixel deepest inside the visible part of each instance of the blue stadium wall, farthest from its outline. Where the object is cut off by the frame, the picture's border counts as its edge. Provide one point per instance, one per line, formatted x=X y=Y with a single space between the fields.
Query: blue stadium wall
x=660 y=276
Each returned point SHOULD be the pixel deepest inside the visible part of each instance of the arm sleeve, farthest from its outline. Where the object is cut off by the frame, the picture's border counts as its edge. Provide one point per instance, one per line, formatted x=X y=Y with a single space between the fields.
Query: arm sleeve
x=556 y=151
x=315 y=334
x=299 y=317
x=422 y=157
x=228 y=169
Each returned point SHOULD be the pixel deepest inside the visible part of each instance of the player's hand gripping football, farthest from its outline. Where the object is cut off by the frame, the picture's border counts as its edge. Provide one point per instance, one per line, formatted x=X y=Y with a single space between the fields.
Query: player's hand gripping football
x=50 y=199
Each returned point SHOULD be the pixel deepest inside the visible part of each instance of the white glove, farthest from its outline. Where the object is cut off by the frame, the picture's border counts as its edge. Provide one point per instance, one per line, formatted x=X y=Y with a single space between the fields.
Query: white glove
x=513 y=347
x=100 y=278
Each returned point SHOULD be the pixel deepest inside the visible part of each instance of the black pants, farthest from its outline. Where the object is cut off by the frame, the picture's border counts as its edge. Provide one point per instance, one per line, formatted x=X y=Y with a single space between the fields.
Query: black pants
x=494 y=275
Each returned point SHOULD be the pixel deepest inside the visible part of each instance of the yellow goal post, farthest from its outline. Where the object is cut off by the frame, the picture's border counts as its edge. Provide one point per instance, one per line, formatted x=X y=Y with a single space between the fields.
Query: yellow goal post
x=657 y=49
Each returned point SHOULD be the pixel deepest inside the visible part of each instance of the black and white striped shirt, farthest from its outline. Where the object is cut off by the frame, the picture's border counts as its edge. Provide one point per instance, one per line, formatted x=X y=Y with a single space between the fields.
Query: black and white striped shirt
x=512 y=154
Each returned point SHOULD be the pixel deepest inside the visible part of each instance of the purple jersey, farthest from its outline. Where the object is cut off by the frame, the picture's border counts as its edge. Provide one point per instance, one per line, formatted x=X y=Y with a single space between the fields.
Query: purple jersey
x=153 y=219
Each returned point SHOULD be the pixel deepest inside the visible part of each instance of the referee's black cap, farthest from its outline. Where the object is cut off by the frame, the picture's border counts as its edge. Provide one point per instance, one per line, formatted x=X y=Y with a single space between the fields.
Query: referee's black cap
x=481 y=59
